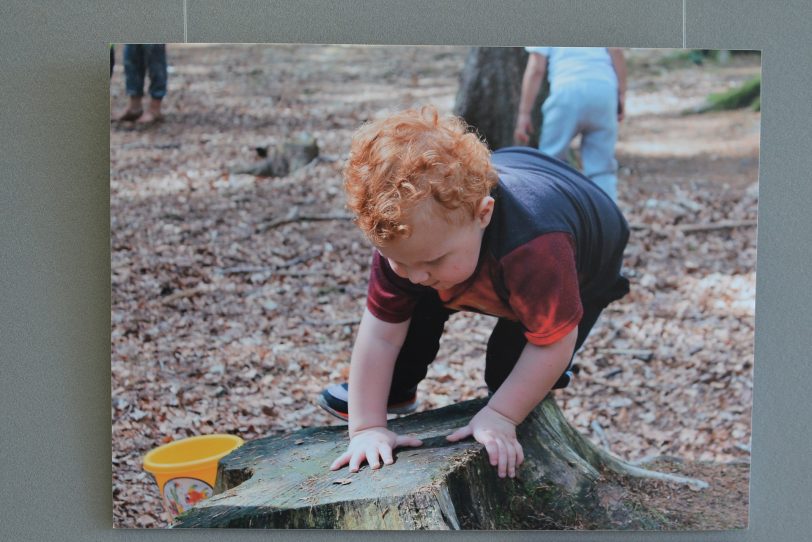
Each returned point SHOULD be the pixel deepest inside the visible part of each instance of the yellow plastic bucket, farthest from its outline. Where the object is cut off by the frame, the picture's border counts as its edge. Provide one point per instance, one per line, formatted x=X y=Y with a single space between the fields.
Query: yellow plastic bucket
x=186 y=469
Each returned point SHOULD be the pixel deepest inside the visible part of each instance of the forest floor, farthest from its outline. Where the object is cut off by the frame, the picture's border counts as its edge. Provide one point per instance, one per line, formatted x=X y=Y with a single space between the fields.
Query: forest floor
x=217 y=328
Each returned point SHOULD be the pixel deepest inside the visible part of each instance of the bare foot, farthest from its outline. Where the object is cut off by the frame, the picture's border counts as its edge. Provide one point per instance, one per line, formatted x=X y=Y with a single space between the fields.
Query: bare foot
x=150 y=117
x=153 y=113
x=133 y=111
x=130 y=115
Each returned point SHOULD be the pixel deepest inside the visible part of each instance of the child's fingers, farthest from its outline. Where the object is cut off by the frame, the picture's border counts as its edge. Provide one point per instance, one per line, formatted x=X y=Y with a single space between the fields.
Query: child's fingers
x=459 y=434
x=520 y=451
x=386 y=454
x=372 y=457
x=493 y=451
x=501 y=467
x=342 y=460
x=512 y=457
x=355 y=461
x=405 y=440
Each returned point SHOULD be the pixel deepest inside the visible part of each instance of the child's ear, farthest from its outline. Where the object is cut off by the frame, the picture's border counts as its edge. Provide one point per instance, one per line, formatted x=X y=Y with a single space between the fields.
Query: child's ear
x=484 y=211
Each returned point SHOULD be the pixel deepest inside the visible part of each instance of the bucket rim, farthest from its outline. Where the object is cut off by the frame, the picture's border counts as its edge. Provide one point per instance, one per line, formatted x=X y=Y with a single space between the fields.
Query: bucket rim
x=157 y=467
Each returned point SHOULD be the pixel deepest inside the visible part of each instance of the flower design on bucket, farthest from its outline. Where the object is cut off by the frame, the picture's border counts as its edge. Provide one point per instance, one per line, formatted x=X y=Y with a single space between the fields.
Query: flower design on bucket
x=180 y=493
x=193 y=496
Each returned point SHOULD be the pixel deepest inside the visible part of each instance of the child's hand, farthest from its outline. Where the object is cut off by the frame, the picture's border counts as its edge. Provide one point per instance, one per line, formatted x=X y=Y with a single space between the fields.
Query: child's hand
x=498 y=434
x=370 y=444
x=524 y=127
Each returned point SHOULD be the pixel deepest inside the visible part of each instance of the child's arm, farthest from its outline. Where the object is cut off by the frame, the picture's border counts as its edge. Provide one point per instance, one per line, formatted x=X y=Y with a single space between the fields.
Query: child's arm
x=619 y=64
x=373 y=361
x=534 y=74
x=527 y=384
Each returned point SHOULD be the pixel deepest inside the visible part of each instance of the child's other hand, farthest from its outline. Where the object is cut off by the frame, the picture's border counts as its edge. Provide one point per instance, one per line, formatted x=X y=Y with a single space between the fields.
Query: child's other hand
x=370 y=444
x=498 y=434
x=521 y=134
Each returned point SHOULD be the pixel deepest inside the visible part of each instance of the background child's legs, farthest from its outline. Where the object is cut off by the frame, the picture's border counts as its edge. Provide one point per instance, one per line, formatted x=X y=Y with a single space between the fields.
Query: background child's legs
x=599 y=135
x=559 y=125
x=134 y=69
x=421 y=345
x=155 y=58
x=507 y=341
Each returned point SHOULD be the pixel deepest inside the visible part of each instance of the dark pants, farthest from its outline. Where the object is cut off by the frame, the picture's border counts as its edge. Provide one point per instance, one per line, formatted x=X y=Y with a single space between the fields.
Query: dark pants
x=505 y=345
x=140 y=60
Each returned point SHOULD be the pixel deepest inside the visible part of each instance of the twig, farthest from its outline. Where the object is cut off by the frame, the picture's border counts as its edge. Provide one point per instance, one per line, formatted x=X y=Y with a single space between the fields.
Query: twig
x=294 y=216
x=644 y=355
x=694 y=228
x=160 y=146
x=270 y=271
x=325 y=323
x=622 y=387
x=300 y=259
x=189 y=292
x=297 y=273
x=724 y=224
x=242 y=269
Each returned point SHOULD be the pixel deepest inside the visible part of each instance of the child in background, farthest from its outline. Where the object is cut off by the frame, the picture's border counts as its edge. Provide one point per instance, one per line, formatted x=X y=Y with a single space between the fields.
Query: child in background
x=514 y=234
x=587 y=97
x=140 y=60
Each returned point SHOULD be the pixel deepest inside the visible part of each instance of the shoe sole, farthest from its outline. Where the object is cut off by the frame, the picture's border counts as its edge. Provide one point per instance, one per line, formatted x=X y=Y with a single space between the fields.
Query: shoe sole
x=340 y=415
x=399 y=409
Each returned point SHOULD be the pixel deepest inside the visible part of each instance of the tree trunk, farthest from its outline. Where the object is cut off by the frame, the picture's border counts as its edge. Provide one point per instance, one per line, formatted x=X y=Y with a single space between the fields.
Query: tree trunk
x=489 y=93
x=566 y=482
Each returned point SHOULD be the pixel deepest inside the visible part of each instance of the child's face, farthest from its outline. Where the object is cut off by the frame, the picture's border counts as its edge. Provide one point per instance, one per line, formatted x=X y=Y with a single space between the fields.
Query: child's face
x=439 y=254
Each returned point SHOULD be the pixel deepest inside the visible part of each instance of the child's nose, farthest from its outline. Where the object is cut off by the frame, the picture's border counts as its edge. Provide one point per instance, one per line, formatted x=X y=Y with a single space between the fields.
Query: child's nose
x=418 y=276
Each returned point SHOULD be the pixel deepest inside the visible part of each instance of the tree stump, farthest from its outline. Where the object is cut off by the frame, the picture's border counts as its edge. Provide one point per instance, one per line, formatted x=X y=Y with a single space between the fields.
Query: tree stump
x=283 y=159
x=566 y=482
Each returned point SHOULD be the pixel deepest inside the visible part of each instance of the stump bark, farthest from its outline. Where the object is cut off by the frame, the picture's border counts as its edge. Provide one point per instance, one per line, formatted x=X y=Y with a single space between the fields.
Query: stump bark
x=566 y=482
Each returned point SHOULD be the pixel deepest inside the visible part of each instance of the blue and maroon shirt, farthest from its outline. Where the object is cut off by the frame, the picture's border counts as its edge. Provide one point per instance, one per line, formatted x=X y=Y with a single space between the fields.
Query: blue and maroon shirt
x=555 y=243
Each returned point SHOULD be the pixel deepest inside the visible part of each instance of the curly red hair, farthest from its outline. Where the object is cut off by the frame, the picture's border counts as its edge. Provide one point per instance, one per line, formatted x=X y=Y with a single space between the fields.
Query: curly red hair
x=402 y=160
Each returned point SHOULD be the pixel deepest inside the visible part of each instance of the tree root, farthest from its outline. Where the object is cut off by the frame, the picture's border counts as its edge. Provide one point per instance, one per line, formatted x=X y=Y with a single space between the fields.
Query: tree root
x=621 y=467
x=599 y=457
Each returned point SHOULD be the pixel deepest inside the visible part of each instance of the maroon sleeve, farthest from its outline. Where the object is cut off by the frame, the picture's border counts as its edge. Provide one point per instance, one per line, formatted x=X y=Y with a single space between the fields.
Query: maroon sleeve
x=542 y=282
x=389 y=297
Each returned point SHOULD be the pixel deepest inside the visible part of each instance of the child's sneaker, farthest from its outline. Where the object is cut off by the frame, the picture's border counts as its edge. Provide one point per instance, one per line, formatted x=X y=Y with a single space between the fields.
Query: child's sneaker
x=334 y=400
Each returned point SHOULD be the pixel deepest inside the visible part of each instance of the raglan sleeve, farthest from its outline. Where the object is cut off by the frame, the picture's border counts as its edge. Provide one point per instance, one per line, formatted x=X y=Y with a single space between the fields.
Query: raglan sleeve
x=542 y=284
x=389 y=297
